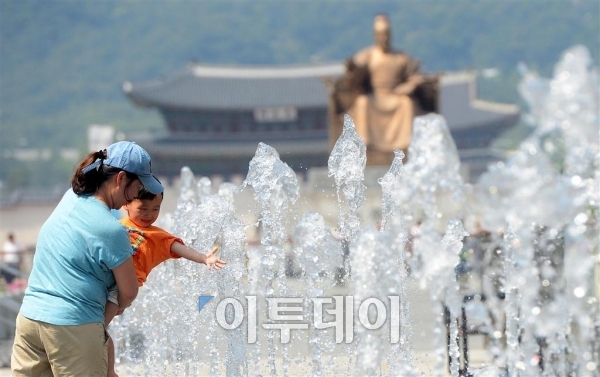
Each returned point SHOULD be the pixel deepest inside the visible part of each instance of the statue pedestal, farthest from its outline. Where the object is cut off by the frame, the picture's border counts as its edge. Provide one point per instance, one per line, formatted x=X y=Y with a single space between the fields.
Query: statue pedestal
x=317 y=178
x=380 y=158
x=320 y=195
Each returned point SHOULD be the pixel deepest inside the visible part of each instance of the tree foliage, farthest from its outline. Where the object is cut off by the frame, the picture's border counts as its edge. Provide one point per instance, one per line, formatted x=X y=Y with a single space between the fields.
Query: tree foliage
x=63 y=63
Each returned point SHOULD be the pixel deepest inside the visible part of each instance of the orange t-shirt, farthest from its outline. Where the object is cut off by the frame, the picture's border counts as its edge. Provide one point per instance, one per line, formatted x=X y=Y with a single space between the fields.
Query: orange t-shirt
x=151 y=246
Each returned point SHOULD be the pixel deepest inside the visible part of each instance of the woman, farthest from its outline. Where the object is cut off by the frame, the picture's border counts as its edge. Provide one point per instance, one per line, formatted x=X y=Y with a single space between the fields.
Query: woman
x=82 y=250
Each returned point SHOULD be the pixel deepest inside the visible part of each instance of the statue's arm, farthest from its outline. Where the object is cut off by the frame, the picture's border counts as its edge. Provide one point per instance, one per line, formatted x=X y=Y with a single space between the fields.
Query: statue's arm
x=361 y=58
x=409 y=86
x=355 y=81
x=412 y=78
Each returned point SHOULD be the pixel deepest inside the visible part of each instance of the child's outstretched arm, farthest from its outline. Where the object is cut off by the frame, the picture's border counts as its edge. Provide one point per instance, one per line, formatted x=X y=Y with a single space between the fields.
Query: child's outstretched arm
x=210 y=259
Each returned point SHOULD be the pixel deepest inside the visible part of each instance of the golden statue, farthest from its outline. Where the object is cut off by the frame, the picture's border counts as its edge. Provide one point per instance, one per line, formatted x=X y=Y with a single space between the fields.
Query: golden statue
x=383 y=89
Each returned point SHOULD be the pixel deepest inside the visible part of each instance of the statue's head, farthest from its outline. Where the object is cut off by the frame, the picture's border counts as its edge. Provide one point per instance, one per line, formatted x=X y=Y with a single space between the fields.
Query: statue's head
x=382 y=32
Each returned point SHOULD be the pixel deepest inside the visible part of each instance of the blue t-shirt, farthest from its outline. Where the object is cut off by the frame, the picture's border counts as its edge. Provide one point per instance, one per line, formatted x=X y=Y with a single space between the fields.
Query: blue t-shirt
x=77 y=248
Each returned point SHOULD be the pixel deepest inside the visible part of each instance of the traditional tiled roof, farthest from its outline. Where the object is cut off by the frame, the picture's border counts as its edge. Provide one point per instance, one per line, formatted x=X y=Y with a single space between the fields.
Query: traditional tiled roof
x=199 y=87
x=234 y=148
x=218 y=87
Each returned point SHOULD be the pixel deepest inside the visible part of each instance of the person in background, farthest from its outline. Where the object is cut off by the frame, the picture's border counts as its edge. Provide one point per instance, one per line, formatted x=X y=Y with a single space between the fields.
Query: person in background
x=82 y=251
x=151 y=246
x=11 y=258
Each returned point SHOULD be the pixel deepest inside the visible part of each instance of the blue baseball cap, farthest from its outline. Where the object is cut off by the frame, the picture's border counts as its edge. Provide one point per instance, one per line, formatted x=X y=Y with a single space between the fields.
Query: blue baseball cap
x=132 y=158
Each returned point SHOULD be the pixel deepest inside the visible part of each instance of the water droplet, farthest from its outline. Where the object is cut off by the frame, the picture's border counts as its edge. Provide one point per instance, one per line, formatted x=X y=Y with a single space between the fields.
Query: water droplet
x=580 y=219
x=579 y=292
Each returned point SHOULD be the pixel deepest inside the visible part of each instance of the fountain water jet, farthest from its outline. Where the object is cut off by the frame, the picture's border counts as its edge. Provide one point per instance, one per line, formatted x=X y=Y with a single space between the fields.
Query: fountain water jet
x=540 y=208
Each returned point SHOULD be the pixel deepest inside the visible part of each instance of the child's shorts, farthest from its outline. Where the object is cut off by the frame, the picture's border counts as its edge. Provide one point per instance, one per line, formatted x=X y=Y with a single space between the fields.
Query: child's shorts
x=113 y=294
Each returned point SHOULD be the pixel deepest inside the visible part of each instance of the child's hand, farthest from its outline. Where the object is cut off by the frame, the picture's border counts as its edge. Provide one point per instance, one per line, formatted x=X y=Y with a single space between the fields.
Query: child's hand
x=213 y=261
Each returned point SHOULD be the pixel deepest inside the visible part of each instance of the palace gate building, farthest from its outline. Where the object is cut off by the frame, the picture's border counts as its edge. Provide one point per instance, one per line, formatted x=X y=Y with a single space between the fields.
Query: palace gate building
x=215 y=117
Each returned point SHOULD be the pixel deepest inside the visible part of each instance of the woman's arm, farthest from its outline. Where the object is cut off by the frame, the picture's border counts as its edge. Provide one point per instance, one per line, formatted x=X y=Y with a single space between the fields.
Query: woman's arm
x=126 y=283
x=210 y=260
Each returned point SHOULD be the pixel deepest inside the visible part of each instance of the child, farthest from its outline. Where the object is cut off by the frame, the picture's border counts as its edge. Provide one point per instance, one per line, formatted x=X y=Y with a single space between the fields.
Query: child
x=151 y=246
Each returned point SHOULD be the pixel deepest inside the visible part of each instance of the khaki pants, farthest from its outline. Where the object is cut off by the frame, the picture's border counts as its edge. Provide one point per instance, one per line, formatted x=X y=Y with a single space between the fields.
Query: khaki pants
x=42 y=350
